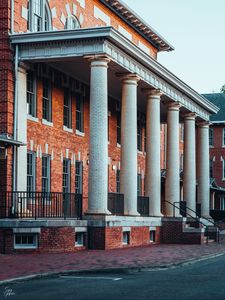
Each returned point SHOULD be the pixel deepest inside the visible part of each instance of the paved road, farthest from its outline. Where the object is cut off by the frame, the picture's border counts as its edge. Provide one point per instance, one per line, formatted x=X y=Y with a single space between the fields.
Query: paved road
x=202 y=280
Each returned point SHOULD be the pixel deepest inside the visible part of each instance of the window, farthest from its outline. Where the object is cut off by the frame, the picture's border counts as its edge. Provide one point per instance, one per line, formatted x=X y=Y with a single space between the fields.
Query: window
x=79 y=177
x=79 y=239
x=79 y=113
x=152 y=236
x=31 y=169
x=67 y=113
x=139 y=135
x=72 y=23
x=181 y=161
x=211 y=137
x=39 y=16
x=31 y=93
x=47 y=100
x=139 y=185
x=118 y=126
x=181 y=132
x=223 y=169
x=118 y=181
x=126 y=238
x=145 y=138
x=46 y=173
x=25 y=240
x=211 y=168
x=223 y=137
x=66 y=175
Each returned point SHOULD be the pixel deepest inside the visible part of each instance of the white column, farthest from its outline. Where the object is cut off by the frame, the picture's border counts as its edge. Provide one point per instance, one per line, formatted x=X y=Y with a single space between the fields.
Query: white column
x=203 y=168
x=153 y=168
x=172 y=189
x=22 y=131
x=98 y=167
x=129 y=144
x=189 y=163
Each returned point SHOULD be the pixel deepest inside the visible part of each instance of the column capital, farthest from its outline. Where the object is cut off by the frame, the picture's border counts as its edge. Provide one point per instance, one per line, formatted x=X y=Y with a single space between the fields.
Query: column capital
x=128 y=78
x=173 y=106
x=98 y=60
x=204 y=124
x=153 y=93
x=190 y=116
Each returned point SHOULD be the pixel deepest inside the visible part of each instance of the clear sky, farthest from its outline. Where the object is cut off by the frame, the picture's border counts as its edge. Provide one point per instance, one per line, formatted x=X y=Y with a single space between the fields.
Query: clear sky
x=196 y=28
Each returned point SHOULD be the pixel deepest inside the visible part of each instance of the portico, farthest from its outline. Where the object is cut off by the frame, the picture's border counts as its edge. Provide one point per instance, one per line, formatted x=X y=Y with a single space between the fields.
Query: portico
x=143 y=82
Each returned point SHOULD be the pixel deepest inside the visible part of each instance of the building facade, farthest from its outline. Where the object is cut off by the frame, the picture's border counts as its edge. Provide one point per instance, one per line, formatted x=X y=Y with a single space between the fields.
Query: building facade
x=89 y=121
x=217 y=155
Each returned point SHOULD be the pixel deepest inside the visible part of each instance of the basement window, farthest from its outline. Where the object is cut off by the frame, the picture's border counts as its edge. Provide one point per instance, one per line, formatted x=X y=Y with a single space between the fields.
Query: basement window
x=25 y=241
x=79 y=239
x=126 y=238
x=152 y=236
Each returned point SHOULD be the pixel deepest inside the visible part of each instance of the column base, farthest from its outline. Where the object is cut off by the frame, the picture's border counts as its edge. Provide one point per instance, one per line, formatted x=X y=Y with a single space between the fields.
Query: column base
x=98 y=212
x=159 y=215
x=131 y=214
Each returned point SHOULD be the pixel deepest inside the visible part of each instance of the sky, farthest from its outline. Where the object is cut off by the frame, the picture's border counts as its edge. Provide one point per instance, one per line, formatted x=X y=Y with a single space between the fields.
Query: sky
x=196 y=29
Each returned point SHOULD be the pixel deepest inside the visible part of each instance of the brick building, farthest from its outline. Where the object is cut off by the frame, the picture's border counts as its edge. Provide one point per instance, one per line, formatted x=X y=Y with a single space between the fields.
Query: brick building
x=89 y=120
x=217 y=154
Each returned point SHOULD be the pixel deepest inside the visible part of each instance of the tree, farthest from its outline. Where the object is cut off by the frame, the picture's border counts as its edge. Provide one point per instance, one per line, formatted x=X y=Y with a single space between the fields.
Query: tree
x=222 y=90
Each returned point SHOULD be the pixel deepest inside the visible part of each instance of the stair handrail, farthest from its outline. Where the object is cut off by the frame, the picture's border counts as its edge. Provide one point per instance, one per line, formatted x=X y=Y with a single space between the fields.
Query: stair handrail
x=175 y=206
x=197 y=218
x=197 y=215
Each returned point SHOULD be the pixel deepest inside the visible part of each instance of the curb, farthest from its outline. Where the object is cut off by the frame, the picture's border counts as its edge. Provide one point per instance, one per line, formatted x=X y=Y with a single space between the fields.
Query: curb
x=123 y=270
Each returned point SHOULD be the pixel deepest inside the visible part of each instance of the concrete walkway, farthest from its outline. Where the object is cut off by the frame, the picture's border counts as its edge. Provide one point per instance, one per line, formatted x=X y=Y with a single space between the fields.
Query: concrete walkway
x=20 y=265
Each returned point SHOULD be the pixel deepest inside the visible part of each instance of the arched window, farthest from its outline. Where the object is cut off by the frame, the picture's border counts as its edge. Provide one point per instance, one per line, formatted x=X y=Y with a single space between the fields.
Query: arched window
x=39 y=16
x=72 y=23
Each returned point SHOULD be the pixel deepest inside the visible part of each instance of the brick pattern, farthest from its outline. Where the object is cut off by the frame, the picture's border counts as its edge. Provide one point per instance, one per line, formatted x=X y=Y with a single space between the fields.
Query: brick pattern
x=101 y=238
x=50 y=240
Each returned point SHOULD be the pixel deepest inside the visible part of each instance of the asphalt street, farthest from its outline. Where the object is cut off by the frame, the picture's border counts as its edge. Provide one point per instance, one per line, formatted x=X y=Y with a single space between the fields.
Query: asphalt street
x=202 y=280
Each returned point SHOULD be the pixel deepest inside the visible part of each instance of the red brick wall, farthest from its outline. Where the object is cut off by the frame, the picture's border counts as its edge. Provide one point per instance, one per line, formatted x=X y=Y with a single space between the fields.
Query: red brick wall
x=101 y=238
x=216 y=152
x=51 y=239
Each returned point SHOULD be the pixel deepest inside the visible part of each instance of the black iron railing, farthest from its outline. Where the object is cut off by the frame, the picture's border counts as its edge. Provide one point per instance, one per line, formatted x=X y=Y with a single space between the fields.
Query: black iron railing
x=143 y=206
x=40 y=205
x=116 y=204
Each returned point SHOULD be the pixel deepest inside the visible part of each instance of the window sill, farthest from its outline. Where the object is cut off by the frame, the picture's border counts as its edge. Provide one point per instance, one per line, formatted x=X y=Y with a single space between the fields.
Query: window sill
x=118 y=145
x=25 y=247
x=33 y=119
x=80 y=133
x=140 y=152
x=70 y=130
x=79 y=245
x=47 y=123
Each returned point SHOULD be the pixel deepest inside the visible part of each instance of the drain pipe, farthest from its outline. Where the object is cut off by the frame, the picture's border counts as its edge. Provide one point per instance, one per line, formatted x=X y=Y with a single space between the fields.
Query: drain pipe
x=12 y=16
x=15 y=120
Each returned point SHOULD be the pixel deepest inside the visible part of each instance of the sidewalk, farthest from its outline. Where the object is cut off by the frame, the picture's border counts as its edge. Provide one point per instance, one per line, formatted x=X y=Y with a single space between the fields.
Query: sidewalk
x=14 y=266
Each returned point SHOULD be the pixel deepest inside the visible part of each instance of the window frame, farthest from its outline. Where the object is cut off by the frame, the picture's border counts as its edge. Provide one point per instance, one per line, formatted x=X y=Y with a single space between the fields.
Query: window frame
x=211 y=137
x=223 y=137
x=33 y=168
x=71 y=20
x=139 y=185
x=68 y=174
x=139 y=136
x=48 y=177
x=79 y=177
x=118 y=181
x=31 y=94
x=21 y=245
x=48 y=115
x=44 y=16
x=82 y=239
x=80 y=113
x=68 y=107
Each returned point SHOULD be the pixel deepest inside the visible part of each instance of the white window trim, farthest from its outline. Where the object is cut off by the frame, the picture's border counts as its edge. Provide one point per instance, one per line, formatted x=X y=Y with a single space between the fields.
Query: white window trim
x=25 y=246
x=223 y=171
x=33 y=119
x=47 y=123
x=223 y=145
x=65 y=128
x=77 y=244
x=44 y=7
x=78 y=132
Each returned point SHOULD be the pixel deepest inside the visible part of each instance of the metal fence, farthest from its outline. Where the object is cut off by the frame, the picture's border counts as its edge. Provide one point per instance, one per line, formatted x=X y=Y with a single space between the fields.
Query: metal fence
x=40 y=205
x=143 y=206
x=116 y=204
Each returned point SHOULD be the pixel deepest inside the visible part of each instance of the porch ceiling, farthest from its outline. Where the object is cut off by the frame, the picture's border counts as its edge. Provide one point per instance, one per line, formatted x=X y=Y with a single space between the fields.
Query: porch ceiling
x=66 y=48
